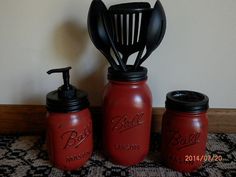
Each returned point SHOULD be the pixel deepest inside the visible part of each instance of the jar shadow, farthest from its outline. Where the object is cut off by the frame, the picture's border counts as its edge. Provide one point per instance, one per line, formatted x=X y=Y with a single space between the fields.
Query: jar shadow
x=70 y=41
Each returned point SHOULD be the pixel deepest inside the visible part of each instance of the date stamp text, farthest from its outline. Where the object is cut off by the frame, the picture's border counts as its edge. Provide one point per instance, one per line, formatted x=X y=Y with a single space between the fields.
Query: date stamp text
x=208 y=158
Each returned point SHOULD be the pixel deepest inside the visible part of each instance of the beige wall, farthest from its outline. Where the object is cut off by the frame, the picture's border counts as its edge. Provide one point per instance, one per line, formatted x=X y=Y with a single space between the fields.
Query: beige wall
x=197 y=53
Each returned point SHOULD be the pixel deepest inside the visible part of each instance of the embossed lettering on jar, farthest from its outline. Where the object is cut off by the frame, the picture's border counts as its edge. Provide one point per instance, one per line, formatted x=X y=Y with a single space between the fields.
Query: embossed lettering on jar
x=127 y=110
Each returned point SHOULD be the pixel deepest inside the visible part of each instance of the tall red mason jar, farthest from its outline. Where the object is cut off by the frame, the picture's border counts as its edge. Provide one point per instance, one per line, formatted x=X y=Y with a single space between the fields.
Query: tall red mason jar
x=184 y=130
x=69 y=125
x=127 y=111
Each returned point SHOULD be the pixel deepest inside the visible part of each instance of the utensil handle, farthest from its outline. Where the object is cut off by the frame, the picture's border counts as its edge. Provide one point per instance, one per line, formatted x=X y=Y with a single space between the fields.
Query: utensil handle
x=141 y=60
x=125 y=58
x=111 y=61
x=138 y=58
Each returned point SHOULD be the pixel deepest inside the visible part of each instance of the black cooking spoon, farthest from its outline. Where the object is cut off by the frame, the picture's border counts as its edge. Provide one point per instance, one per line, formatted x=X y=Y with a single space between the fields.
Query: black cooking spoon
x=99 y=35
x=155 y=33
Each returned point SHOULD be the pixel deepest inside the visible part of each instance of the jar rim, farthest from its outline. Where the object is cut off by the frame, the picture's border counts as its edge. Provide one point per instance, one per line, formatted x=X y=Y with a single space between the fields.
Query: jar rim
x=187 y=101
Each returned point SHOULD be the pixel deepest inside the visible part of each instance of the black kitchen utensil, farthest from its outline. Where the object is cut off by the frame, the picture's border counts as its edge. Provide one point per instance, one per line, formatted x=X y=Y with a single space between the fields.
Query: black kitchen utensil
x=99 y=35
x=108 y=29
x=129 y=24
x=155 y=32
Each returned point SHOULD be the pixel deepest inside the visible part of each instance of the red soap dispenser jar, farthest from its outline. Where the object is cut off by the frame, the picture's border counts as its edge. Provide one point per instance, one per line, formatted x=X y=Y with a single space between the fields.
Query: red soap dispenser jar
x=69 y=125
x=184 y=130
x=127 y=111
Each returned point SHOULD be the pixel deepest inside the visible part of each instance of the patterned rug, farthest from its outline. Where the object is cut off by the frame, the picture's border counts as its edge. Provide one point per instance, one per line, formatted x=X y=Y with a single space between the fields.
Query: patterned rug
x=27 y=156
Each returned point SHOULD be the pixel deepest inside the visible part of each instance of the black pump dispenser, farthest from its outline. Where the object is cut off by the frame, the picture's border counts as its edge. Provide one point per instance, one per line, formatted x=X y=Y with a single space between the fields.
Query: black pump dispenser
x=66 y=98
x=66 y=91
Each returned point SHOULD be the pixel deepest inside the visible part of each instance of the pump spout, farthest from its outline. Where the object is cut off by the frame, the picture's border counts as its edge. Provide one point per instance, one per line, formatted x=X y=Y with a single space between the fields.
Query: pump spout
x=65 y=74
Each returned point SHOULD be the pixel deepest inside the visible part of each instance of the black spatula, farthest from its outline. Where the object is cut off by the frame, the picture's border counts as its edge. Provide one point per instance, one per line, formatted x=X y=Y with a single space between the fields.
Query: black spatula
x=129 y=23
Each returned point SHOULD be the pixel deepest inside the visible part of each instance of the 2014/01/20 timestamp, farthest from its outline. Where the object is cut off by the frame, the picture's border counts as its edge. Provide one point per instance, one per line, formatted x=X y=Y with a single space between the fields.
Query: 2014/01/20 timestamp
x=209 y=158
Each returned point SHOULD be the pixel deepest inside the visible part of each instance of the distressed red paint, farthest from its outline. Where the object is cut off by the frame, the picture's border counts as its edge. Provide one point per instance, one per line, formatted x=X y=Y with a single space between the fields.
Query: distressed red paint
x=127 y=110
x=69 y=139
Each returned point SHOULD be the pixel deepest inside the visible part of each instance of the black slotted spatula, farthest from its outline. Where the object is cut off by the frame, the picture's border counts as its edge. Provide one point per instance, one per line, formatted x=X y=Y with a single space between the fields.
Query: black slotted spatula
x=129 y=21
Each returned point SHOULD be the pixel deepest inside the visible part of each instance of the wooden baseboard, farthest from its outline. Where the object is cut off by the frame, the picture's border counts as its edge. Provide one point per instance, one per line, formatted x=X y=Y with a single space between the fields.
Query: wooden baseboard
x=219 y=120
x=30 y=119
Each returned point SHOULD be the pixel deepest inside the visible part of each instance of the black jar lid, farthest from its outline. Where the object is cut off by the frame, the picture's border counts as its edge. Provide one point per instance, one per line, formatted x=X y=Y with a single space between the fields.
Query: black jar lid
x=187 y=101
x=130 y=75
x=57 y=104
x=66 y=98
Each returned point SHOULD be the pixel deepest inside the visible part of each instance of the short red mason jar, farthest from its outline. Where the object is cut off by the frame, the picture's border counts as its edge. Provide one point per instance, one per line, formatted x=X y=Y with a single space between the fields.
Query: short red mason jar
x=69 y=125
x=184 y=130
x=127 y=111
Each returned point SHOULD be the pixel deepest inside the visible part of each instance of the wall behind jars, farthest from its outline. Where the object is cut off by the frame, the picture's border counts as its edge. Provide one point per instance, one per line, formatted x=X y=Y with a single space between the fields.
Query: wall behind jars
x=197 y=53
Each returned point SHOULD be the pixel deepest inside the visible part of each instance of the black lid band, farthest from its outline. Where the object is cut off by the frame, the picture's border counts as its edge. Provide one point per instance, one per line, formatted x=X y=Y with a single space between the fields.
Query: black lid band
x=56 y=104
x=187 y=101
x=130 y=75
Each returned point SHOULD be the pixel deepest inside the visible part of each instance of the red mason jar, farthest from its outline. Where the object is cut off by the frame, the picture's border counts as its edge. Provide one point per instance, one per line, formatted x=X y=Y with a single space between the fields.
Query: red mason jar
x=184 y=130
x=127 y=111
x=69 y=126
